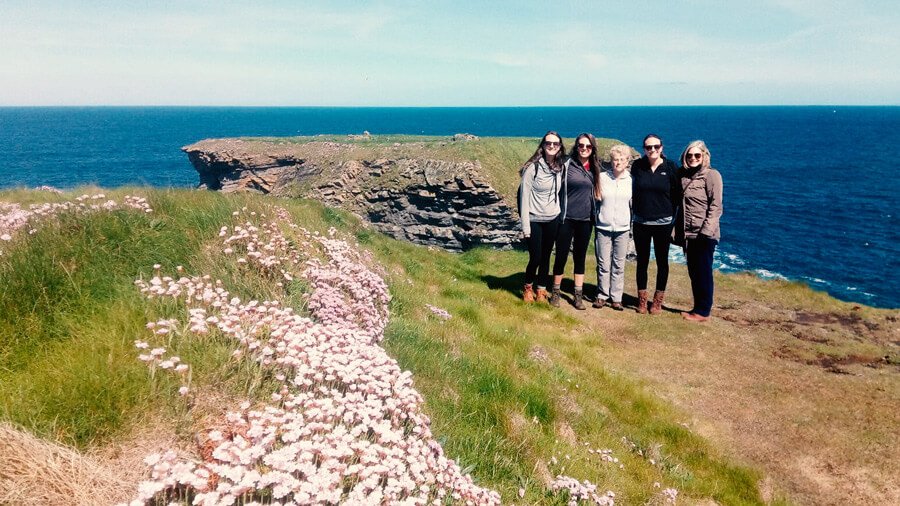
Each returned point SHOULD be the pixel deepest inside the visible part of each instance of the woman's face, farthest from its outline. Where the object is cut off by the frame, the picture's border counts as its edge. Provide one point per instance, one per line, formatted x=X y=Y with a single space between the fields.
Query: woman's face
x=551 y=145
x=585 y=149
x=620 y=163
x=653 y=148
x=694 y=157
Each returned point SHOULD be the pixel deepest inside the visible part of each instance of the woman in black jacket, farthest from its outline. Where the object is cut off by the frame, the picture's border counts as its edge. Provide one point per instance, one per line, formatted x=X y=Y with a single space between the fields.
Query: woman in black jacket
x=655 y=195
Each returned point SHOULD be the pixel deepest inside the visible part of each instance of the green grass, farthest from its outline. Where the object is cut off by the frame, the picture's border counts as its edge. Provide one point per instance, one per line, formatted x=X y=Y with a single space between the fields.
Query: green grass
x=69 y=313
x=485 y=393
x=500 y=157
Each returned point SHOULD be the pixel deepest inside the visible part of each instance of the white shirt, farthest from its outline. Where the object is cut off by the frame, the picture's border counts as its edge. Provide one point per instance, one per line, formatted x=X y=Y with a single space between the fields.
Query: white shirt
x=614 y=210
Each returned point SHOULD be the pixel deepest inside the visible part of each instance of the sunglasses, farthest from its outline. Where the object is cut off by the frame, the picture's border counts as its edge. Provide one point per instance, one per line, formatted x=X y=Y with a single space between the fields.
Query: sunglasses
x=551 y=144
x=693 y=156
x=585 y=146
x=652 y=147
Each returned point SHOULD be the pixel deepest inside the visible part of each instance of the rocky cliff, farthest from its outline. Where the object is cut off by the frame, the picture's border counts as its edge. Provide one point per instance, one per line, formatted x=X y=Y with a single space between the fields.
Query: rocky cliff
x=402 y=191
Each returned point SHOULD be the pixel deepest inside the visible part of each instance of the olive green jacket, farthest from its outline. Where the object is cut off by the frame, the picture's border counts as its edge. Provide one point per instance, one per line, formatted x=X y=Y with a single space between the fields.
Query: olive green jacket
x=701 y=204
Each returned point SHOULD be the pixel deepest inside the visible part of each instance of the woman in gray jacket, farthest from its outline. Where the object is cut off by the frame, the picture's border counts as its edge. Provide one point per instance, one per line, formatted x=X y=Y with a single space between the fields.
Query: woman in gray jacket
x=698 y=224
x=539 y=207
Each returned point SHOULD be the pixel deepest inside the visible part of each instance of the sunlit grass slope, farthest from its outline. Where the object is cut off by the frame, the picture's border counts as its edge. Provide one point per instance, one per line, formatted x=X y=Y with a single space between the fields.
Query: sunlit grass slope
x=518 y=394
x=499 y=157
x=522 y=393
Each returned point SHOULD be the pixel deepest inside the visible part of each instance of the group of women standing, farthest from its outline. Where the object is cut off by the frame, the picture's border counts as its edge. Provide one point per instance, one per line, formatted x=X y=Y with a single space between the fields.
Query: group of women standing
x=563 y=198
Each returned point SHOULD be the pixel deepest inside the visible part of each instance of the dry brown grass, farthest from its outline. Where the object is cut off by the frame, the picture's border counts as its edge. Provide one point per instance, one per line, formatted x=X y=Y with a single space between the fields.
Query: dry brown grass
x=789 y=381
x=37 y=472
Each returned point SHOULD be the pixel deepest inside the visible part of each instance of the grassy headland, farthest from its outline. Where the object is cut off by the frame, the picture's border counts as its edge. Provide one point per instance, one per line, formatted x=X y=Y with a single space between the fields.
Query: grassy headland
x=788 y=395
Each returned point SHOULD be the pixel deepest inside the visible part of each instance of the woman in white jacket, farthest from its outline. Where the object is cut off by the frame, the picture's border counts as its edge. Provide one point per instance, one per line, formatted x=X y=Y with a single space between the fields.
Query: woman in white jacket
x=613 y=194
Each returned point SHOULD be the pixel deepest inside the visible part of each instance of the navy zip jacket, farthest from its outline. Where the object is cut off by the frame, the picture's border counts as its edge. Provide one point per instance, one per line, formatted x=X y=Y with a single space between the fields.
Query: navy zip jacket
x=579 y=190
x=655 y=195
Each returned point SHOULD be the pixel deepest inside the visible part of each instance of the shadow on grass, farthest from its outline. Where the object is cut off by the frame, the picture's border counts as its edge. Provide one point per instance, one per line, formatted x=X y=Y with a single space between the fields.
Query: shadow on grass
x=515 y=282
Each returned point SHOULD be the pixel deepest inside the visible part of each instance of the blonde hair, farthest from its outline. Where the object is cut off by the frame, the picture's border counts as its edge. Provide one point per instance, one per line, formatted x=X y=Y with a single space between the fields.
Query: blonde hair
x=705 y=161
x=620 y=149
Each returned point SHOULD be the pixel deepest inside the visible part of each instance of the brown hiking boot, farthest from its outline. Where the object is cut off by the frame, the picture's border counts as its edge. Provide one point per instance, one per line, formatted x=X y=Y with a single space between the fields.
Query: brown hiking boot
x=692 y=317
x=554 y=297
x=617 y=306
x=642 y=302
x=541 y=295
x=656 y=306
x=528 y=295
x=579 y=302
x=599 y=302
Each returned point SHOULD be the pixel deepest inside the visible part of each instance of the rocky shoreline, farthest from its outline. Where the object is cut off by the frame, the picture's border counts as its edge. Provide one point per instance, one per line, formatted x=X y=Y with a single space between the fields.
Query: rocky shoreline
x=435 y=202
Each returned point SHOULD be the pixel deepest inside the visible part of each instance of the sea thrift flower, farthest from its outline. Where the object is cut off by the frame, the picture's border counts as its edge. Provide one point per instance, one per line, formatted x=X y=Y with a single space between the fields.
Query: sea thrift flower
x=440 y=313
x=579 y=492
x=344 y=423
x=13 y=217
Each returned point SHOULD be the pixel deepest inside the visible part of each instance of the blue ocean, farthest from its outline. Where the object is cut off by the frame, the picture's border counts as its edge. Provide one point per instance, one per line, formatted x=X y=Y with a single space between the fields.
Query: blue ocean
x=810 y=193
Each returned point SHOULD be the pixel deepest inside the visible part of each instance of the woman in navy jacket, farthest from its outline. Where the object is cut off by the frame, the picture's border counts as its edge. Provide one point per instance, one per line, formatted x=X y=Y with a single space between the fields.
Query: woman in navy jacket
x=576 y=216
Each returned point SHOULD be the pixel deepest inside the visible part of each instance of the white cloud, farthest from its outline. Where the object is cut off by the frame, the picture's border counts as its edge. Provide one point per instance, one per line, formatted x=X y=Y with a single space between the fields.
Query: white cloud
x=445 y=53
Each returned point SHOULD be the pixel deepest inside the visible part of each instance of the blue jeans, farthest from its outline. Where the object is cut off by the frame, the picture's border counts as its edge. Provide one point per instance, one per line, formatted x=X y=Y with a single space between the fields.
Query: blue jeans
x=699 y=255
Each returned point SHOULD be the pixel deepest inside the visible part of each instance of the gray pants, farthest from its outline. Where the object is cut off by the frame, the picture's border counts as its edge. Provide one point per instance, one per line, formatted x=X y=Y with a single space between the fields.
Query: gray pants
x=611 y=249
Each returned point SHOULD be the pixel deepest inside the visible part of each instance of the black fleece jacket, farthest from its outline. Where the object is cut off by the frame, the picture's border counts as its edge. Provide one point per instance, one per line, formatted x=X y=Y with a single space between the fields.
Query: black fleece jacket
x=654 y=194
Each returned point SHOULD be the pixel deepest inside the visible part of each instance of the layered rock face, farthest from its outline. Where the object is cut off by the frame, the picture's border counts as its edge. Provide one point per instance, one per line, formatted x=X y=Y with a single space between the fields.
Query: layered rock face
x=433 y=202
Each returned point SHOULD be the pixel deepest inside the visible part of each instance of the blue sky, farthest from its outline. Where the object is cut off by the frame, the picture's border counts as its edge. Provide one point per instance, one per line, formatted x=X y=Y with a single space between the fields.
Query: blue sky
x=418 y=53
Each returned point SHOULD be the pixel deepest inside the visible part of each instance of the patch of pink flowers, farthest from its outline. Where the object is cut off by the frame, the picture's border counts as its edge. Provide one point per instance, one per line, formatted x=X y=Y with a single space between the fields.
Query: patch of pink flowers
x=14 y=217
x=438 y=312
x=345 y=424
x=668 y=496
x=582 y=492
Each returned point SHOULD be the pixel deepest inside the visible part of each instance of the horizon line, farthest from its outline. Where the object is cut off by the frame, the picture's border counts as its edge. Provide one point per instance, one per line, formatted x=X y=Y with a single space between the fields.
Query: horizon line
x=244 y=106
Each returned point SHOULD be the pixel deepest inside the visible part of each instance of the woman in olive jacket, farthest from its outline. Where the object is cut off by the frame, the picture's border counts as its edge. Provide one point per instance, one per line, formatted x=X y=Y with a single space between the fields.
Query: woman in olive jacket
x=698 y=224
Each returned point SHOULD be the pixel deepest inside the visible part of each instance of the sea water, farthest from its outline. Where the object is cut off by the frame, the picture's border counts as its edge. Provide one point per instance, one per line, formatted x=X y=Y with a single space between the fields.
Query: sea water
x=810 y=193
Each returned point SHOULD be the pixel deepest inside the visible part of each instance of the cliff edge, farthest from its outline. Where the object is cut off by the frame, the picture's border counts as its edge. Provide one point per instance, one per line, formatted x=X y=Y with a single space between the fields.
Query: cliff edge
x=406 y=190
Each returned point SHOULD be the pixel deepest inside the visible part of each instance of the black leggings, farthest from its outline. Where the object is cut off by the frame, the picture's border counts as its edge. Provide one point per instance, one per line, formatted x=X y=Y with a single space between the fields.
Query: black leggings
x=572 y=229
x=660 y=234
x=540 y=245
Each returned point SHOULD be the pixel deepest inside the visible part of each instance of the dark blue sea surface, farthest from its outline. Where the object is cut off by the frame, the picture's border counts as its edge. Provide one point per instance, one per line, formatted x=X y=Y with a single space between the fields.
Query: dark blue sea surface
x=810 y=192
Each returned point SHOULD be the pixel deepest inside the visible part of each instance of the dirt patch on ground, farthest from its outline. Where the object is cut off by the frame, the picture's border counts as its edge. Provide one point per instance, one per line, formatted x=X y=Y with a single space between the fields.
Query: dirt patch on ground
x=833 y=341
x=539 y=355
x=809 y=395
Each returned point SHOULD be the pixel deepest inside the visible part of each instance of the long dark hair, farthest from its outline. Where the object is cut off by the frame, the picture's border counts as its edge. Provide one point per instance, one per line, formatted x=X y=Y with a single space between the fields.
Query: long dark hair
x=593 y=160
x=556 y=164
